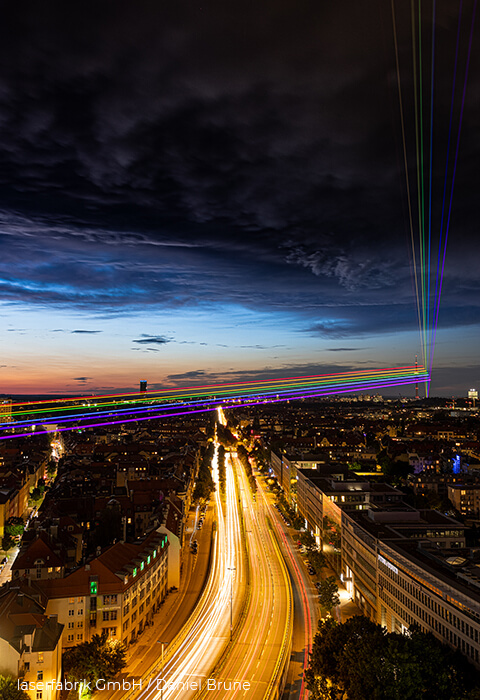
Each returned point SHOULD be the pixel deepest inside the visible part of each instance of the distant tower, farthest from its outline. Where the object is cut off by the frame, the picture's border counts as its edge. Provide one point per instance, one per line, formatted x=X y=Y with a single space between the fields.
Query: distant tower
x=143 y=386
x=473 y=396
x=416 y=383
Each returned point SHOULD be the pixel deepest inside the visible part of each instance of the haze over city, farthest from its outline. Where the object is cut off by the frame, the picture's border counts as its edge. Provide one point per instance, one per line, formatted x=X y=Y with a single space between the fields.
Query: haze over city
x=199 y=192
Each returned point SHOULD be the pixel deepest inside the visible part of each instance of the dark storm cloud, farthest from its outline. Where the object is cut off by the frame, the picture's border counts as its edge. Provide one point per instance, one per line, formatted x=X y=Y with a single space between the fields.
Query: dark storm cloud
x=209 y=376
x=175 y=154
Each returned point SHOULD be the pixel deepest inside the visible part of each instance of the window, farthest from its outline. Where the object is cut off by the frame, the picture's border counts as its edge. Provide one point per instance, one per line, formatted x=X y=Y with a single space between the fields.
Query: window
x=71 y=612
x=80 y=600
x=40 y=657
x=110 y=599
x=80 y=611
x=71 y=601
x=39 y=695
x=50 y=569
x=39 y=675
x=70 y=638
x=80 y=623
x=106 y=615
x=27 y=665
x=113 y=614
x=70 y=625
x=79 y=637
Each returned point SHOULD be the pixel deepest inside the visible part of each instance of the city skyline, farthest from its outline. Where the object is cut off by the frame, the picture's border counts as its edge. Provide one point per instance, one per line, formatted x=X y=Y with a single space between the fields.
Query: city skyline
x=194 y=194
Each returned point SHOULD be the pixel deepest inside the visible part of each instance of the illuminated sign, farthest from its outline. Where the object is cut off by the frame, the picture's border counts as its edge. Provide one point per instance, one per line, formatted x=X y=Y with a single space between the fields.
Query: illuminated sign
x=93 y=587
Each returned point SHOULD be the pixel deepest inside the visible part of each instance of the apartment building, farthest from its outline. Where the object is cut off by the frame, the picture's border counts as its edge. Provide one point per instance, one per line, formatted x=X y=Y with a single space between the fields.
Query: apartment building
x=116 y=592
x=466 y=499
x=30 y=642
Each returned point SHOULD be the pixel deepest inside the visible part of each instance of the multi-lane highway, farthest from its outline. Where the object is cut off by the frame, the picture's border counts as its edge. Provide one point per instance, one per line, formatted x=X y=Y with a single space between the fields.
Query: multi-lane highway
x=189 y=659
x=238 y=640
x=254 y=665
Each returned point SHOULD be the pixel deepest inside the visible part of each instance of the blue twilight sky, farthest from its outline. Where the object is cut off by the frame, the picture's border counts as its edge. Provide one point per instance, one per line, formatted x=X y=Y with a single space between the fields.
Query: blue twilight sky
x=199 y=191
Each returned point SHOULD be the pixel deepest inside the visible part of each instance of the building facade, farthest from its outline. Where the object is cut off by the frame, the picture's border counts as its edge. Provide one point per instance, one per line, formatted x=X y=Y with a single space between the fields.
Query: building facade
x=116 y=593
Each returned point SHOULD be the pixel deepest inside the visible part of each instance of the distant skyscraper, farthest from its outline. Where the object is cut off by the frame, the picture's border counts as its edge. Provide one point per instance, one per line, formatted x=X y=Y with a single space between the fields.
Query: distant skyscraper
x=6 y=410
x=473 y=395
x=143 y=386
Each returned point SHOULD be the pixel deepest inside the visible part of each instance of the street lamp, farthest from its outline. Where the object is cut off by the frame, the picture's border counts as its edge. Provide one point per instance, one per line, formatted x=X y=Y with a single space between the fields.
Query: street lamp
x=232 y=569
x=161 y=670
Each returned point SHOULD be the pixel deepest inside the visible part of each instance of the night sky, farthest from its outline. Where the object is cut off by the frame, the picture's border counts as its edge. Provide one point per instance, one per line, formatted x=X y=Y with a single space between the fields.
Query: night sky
x=193 y=192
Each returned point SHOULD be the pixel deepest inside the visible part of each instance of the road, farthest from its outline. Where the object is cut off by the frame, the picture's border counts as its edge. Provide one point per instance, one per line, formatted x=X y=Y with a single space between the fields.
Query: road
x=253 y=667
x=305 y=599
x=189 y=659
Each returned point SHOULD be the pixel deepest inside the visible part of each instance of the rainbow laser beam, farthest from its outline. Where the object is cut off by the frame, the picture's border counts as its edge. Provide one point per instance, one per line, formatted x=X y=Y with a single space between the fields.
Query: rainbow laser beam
x=165 y=403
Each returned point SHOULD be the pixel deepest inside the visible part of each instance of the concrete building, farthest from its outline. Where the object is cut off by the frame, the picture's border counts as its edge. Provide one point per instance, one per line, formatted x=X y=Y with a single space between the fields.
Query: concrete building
x=404 y=567
x=5 y=410
x=466 y=499
x=117 y=592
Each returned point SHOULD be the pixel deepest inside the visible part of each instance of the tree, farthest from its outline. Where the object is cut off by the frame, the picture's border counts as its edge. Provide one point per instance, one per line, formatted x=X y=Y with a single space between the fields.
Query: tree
x=51 y=468
x=328 y=593
x=359 y=659
x=9 y=689
x=222 y=475
x=7 y=542
x=317 y=560
x=308 y=540
x=204 y=484
x=14 y=527
x=102 y=657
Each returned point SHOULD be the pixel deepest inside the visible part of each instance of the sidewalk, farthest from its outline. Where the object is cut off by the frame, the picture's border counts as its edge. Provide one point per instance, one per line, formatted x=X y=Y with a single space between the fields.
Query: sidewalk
x=347 y=608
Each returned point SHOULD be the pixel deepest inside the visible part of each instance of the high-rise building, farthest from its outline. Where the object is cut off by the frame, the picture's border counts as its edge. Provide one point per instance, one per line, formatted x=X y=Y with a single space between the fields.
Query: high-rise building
x=5 y=410
x=473 y=395
x=143 y=386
